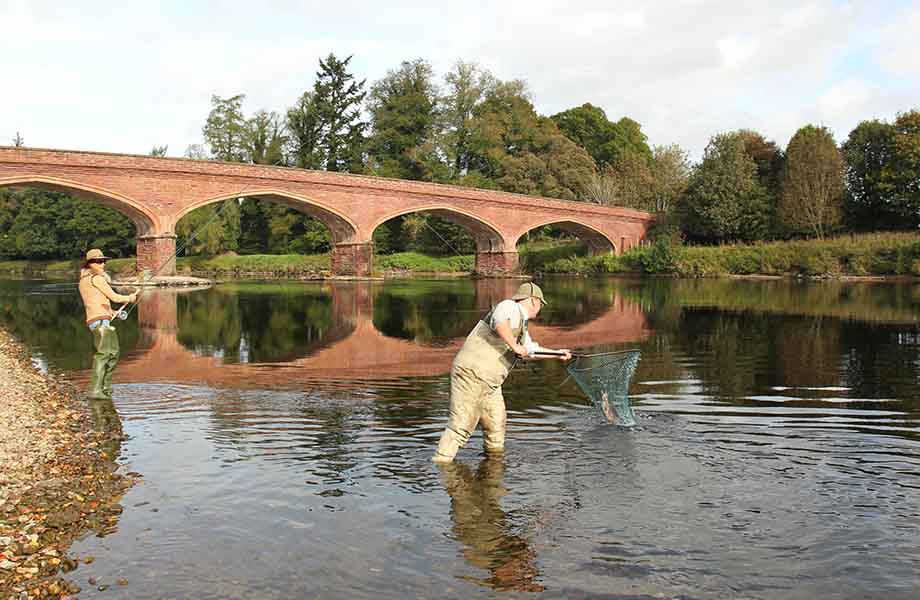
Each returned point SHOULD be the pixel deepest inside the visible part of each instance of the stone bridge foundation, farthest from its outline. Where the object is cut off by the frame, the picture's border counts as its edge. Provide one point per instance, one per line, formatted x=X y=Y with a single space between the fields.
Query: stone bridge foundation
x=352 y=259
x=155 y=254
x=496 y=263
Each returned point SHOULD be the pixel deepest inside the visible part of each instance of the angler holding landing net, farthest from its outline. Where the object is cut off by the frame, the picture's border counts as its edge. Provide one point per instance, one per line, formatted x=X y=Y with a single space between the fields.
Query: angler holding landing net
x=482 y=365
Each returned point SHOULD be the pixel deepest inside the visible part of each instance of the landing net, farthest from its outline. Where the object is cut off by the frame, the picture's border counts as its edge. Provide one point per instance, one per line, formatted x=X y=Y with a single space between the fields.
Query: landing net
x=605 y=378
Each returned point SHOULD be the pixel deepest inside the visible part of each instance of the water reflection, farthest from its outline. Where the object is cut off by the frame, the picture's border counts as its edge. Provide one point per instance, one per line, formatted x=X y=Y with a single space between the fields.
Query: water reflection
x=479 y=523
x=107 y=422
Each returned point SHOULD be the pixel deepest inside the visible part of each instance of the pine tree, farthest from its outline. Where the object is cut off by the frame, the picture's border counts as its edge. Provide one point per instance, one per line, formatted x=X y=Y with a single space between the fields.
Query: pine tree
x=337 y=99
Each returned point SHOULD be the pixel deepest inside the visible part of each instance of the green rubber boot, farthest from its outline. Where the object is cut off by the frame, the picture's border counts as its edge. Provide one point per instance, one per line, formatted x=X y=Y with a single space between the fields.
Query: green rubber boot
x=105 y=343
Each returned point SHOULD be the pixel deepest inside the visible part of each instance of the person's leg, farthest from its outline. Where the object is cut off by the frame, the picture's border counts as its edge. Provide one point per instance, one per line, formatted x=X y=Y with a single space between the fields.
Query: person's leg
x=465 y=391
x=112 y=352
x=494 y=418
x=97 y=374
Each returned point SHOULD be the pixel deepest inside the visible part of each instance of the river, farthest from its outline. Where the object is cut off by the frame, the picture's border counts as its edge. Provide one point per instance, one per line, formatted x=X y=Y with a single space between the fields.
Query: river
x=283 y=432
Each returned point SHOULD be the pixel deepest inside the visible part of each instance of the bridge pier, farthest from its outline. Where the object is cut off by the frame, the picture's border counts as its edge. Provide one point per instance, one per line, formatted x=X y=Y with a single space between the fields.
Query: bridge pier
x=496 y=263
x=156 y=252
x=353 y=259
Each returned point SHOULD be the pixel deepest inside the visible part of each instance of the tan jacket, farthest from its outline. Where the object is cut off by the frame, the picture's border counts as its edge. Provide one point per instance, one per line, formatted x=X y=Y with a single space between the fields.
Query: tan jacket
x=98 y=295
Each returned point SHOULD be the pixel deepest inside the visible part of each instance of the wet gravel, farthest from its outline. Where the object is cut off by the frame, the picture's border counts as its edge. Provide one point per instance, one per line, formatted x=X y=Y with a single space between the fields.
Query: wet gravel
x=58 y=478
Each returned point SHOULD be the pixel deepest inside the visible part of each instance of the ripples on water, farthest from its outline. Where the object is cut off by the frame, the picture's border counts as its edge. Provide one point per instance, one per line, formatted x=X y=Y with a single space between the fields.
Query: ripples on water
x=772 y=460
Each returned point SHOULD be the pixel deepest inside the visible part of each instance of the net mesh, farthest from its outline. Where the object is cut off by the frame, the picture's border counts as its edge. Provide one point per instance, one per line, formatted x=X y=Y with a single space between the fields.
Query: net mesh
x=605 y=378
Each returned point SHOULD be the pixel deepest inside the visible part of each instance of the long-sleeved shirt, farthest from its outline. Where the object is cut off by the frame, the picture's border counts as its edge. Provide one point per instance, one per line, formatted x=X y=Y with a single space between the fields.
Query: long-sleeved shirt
x=98 y=295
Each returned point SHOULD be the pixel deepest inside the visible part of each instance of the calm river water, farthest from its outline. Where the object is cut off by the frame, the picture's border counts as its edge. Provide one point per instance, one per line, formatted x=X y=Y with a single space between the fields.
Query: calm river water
x=284 y=433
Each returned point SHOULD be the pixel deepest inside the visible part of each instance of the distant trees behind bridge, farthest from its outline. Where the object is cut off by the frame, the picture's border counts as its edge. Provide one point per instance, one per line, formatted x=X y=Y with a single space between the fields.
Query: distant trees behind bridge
x=470 y=128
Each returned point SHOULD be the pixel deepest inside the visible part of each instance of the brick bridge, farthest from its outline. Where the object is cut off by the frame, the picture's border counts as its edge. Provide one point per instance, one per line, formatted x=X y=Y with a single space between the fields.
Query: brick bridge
x=156 y=192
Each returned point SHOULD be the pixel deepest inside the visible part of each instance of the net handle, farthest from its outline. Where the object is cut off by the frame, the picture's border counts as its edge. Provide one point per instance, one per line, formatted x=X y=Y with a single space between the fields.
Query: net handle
x=581 y=354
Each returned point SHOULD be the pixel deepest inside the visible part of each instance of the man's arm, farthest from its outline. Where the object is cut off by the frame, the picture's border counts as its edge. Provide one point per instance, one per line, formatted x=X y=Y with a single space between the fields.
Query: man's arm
x=503 y=330
x=533 y=347
x=103 y=286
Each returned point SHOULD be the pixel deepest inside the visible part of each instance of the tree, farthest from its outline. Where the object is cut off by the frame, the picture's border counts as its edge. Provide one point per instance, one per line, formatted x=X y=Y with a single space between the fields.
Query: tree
x=159 y=151
x=264 y=139
x=303 y=133
x=638 y=183
x=868 y=155
x=904 y=175
x=403 y=107
x=467 y=85
x=18 y=142
x=225 y=129
x=522 y=152
x=812 y=196
x=213 y=233
x=670 y=176
x=724 y=199
x=197 y=152
x=337 y=99
x=588 y=126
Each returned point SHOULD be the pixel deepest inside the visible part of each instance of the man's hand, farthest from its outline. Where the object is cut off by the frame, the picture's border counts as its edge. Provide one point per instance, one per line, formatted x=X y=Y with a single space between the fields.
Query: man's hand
x=520 y=350
x=133 y=297
x=566 y=354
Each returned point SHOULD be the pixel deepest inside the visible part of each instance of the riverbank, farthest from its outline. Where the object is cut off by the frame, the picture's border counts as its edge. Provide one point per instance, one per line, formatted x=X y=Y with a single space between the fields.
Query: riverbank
x=853 y=256
x=866 y=256
x=57 y=477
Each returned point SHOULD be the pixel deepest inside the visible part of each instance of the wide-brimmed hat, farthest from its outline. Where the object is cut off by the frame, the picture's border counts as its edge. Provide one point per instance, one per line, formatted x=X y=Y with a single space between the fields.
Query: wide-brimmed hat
x=96 y=254
x=529 y=290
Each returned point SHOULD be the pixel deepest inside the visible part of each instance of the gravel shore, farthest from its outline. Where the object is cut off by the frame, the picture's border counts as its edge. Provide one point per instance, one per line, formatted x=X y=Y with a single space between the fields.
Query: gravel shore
x=58 y=477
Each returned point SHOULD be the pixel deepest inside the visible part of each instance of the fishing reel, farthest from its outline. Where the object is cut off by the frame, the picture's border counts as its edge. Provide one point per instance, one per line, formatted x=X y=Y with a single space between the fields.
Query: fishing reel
x=121 y=315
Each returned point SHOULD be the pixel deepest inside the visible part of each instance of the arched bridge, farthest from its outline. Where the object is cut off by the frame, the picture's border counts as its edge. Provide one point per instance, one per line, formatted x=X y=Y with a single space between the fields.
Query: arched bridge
x=156 y=192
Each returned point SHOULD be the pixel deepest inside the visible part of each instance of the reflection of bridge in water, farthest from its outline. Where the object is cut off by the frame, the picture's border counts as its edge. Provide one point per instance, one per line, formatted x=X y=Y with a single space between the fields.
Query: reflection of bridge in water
x=364 y=353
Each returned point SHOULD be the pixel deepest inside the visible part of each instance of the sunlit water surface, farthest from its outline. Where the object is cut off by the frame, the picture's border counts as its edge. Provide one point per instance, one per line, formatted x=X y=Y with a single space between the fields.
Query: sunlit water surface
x=284 y=435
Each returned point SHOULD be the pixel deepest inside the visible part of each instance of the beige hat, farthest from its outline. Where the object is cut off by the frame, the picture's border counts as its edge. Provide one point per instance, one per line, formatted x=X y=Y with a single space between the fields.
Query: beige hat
x=529 y=290
x=96 y=254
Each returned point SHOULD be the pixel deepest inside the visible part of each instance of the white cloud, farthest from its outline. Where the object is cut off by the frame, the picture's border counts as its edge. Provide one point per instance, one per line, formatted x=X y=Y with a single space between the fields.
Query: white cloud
x=129 y=76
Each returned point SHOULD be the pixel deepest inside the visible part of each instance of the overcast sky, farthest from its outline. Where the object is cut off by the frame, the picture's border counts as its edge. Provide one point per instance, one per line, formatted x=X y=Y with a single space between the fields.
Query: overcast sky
x=125 y=76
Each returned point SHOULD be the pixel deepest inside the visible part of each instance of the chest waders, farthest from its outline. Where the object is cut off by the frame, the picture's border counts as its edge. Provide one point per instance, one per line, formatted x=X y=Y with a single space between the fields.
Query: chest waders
x=105 y=359
x=476 y=379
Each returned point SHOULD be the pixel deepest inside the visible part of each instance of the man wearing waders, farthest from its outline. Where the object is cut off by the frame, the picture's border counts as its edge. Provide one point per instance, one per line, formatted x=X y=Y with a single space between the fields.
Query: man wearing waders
x=97 y=294
x=482 y=365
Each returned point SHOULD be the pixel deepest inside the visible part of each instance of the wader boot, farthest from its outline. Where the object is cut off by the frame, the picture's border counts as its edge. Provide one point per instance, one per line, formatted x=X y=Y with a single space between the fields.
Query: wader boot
x=105 y=342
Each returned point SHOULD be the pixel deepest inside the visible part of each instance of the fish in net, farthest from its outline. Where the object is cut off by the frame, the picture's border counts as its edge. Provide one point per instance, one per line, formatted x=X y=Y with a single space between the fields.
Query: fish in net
x=605 y=378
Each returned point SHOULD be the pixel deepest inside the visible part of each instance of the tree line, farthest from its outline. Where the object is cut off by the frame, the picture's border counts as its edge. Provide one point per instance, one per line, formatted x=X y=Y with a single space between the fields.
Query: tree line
x=470 y=128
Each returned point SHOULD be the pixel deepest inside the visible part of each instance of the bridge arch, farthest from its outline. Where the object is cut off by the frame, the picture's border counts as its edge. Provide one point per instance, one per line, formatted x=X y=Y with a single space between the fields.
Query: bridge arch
x=597 y=241
x=146 y=221
x=487 y=235
x=343 y=229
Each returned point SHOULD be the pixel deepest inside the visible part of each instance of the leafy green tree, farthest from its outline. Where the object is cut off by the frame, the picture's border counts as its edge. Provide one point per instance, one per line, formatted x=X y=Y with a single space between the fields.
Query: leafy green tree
x=303 y=128
x=724 y=199
x=813 y=189
x=868 y=155
x=466 y=86
x=523 y=152
x=670 y=176
x=159 y=151
x=588 y=126
x=18 y=142
x=337 y=100
x=904 y=175
x=225 y=129
x=264 y=139
x=403 y=108
x=208 y=233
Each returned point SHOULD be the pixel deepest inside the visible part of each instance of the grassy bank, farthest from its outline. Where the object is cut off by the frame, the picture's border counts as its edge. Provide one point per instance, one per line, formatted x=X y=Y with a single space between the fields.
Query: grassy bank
x=878 y=254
